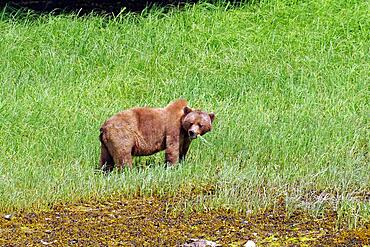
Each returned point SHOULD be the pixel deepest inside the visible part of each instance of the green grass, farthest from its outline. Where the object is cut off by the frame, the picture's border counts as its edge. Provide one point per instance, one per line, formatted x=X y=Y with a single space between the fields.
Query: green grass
x=289 y=83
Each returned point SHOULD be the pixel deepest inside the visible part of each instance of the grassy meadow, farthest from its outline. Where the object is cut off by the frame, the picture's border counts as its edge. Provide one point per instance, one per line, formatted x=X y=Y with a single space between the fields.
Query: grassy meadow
x=288 y=81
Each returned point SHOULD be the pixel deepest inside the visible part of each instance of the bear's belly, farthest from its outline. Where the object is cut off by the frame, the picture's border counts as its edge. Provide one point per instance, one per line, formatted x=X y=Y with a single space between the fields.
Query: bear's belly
x=148 y=149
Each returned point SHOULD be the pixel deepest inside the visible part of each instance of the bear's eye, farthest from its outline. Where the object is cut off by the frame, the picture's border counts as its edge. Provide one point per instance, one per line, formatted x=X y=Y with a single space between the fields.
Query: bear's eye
x=200 y=126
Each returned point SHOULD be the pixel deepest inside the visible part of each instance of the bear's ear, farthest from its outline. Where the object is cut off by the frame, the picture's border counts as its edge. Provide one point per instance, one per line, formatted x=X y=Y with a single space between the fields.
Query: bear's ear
x=187 y=110
x=212 y=116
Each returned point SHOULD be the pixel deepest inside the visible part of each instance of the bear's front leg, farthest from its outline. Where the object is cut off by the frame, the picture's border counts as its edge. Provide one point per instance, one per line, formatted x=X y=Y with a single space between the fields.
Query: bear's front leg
x=184 y=148
x=172 y=149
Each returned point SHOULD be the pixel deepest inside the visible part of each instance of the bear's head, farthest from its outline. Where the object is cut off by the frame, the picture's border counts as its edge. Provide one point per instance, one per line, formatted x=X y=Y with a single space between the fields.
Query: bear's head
x=196 y=122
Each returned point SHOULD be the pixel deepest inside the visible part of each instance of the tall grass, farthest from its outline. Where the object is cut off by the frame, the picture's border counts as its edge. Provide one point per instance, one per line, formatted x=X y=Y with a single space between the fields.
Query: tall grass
x=289 y=83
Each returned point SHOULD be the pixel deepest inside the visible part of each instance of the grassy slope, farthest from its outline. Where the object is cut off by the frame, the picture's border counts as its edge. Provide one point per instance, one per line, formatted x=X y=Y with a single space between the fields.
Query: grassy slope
x=288 y=83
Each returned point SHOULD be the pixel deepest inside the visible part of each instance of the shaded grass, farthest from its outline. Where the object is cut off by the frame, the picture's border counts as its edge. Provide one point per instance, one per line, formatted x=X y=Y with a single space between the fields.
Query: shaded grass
x=288 y=83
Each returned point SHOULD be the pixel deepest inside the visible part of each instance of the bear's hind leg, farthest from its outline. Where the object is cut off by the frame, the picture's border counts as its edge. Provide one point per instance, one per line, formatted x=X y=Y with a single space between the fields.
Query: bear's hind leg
x=120 y=146
x=106 y=160
x=123 y=158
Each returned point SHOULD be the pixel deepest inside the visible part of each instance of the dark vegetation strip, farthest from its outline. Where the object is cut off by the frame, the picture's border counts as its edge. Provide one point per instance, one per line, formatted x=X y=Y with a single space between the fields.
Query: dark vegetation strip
x=107 y=6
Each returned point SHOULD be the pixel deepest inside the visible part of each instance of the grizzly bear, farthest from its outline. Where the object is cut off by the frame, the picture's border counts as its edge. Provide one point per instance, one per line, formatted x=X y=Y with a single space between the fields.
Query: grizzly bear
x=144 y=131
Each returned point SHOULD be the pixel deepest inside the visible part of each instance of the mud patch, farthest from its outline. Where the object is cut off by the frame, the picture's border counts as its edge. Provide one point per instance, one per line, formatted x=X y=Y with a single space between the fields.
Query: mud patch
x=153 y=222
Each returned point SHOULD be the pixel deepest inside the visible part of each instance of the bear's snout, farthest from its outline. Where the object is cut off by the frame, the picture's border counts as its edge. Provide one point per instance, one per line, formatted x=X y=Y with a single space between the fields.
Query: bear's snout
x=192 y=134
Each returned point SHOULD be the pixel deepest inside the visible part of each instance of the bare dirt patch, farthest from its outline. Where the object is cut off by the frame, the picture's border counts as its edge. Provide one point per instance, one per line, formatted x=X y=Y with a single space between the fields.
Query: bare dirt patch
x=153 y=222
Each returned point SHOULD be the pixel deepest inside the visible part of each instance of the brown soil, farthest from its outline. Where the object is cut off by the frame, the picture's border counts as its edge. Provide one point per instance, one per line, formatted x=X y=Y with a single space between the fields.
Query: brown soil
x=153 y=222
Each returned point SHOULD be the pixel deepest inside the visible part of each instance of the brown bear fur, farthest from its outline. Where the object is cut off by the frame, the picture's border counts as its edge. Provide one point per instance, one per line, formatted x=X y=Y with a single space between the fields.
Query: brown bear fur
x=145 y=131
